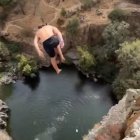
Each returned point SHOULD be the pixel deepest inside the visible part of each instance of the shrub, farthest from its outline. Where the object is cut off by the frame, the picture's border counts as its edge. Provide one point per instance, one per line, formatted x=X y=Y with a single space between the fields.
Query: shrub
x=27 y=66
x=86 y=60
x=5 y=2
x=63 y=12
x=87 y=4
x=4 y=52
x=118 y=15
x=72 y=26
x=129 y=75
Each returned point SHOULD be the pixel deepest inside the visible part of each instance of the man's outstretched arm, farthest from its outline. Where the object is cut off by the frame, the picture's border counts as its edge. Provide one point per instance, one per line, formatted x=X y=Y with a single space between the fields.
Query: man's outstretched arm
x=58 y=33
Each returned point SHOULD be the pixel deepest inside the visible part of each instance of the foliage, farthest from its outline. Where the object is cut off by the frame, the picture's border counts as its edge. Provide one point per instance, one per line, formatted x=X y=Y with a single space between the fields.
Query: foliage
x=86 y=60
x=5 y=2
x=106 y=69
x=118 y=15
x=13 y=47
x=4 y=52
x=105 y=54
x=26 y=65
x=87 y=4
x=114 y=34
x=63 y=12
x=73 y=26
x=129 y=75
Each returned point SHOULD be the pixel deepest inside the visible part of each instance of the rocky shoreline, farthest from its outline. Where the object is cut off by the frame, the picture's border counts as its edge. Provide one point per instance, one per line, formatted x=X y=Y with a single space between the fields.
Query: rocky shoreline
x=4 y=116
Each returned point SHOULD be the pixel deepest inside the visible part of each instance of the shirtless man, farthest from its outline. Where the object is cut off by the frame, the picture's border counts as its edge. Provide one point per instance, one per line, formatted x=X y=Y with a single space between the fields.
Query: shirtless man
x=51 y=39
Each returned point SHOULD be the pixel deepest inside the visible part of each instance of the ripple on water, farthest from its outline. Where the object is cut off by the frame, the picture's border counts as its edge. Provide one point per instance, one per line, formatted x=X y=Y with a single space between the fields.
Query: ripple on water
x=47 y=134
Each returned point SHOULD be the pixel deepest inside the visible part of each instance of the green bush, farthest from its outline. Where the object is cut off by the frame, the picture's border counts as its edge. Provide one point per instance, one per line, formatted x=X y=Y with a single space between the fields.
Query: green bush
x=73 y=26
x=129 y=75
x=118 y=15
x=86 y=60
x=5 y=2
x=27 y=66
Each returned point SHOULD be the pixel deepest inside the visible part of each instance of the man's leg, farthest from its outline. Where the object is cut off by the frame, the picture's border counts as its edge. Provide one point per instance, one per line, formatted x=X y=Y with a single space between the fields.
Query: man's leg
x=59 y=51
x=54 y=64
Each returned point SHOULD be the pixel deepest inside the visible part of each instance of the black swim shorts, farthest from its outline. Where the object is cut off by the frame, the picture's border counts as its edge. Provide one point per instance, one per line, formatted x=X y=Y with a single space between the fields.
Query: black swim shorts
x=50 y=44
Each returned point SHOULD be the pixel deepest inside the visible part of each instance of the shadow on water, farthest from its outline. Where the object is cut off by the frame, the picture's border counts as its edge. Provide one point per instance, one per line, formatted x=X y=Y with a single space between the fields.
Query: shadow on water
x=32 y=82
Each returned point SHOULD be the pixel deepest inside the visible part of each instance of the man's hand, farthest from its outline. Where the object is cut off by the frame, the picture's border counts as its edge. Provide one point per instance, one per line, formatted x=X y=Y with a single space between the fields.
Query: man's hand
x=62 y=44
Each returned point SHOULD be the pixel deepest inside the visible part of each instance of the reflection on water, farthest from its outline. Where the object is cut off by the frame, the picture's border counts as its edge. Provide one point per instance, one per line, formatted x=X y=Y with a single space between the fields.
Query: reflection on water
x=54 y=107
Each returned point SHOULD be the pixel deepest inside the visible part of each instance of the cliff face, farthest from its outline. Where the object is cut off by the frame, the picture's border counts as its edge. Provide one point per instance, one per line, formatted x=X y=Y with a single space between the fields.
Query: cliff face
x=122 y=121
x=21 y=22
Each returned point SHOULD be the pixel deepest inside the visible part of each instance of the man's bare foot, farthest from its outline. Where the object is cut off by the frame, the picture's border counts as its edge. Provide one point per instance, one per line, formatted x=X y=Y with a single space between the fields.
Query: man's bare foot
x=58 y=71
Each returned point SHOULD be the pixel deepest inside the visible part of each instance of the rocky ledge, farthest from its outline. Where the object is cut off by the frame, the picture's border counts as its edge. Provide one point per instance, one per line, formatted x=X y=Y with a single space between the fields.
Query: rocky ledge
x=4 y=111
x=122 y=122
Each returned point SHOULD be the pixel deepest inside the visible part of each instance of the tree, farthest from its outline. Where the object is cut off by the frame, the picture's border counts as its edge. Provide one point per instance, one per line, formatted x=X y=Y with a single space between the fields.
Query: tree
x=129 y=75
x=114 y=34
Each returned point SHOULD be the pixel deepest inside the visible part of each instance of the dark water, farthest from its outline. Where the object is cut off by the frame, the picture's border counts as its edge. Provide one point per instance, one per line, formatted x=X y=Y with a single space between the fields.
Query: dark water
x=55 y=107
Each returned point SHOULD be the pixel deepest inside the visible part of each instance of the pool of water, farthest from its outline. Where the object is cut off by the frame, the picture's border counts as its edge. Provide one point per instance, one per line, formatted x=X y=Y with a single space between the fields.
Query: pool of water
x=55 y=107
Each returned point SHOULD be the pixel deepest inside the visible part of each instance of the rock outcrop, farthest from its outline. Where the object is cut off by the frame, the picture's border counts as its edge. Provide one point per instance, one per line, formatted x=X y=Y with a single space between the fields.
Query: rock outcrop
x=4 y=135
x=122 y=121
x=4 y=111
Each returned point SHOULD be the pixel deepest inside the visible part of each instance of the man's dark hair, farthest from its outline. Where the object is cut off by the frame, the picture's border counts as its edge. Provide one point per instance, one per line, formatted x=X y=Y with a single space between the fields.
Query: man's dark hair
x=40 y=26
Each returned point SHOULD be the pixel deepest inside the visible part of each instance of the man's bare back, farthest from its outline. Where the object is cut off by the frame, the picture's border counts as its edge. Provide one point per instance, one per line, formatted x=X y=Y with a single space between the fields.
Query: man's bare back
x=45 y=32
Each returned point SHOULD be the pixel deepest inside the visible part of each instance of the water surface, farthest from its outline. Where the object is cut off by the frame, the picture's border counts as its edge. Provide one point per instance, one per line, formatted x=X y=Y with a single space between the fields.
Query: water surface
x=55 y=107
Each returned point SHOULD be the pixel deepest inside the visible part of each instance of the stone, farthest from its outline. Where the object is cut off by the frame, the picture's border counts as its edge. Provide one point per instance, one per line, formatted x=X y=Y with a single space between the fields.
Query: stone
x=4 y=135
x=4 y=108
x=3 y=124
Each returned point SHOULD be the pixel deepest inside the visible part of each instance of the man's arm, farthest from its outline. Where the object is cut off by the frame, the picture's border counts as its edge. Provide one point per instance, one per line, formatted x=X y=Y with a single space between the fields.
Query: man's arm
x=37 y=46
x=58 y=33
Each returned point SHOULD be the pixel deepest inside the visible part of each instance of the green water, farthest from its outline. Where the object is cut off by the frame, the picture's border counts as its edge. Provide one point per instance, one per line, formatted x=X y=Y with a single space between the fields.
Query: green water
x=55 y=107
